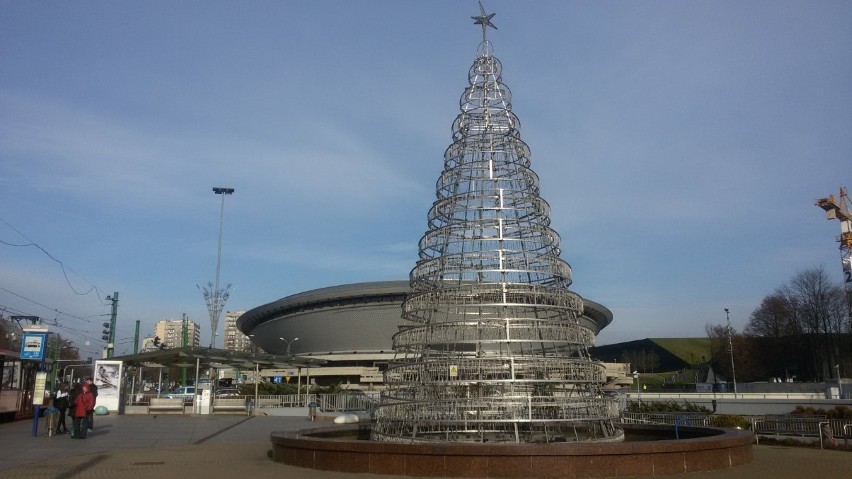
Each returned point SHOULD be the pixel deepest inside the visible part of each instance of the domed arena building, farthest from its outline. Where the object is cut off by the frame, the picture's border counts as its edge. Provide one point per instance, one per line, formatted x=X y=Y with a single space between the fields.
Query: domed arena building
x=350 y=327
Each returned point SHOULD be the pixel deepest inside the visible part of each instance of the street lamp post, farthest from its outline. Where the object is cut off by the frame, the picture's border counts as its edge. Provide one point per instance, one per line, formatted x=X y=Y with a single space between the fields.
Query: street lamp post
x=289 y=343
x=638 y=394
x=839 y=384
x=731 y=350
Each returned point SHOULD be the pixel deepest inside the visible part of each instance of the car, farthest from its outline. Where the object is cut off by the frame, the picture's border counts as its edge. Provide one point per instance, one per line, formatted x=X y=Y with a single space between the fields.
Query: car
x=182 y=392
x=227 y=392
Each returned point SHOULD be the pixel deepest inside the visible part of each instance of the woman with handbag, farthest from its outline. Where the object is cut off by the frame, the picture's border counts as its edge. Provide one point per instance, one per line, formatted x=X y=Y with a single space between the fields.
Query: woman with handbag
x=83 y=403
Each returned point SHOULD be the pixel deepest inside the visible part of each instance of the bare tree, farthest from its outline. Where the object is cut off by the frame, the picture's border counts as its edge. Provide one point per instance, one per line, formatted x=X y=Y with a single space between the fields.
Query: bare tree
x=775 y=334
x=747 y=368
x=776 y=317
x=10 y=334
x=642 y=360
x=630 y=357
x=822 y=312
x=801 y=327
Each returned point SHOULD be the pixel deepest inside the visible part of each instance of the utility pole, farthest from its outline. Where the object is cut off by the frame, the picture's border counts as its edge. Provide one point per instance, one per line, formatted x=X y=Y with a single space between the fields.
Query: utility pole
x=55 y=365
x=184 y=340
x=136 y=339
x=731 y=349
x=184 y=331
x=111 y=341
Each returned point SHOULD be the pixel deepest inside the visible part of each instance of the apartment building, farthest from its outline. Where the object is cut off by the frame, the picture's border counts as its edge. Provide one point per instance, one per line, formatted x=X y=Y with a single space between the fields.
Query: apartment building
x=170 y=332
x=235 y=340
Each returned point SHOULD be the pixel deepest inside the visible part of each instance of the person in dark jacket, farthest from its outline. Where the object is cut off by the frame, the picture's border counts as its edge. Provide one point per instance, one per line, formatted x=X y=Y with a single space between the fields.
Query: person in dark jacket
x=60 y=402
x=90 y=417
x=83 y=403
x=72 y=396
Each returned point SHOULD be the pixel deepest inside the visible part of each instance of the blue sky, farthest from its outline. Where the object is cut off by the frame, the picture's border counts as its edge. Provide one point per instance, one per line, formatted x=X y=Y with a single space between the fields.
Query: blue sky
x=681 y=146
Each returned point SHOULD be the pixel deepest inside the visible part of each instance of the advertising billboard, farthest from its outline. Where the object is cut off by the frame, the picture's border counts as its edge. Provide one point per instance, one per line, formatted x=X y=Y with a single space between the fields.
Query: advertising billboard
x=108 y=380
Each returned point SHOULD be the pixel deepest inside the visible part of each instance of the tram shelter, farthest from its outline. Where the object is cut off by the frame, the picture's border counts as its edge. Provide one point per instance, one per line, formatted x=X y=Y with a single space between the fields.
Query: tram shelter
x=204 y=363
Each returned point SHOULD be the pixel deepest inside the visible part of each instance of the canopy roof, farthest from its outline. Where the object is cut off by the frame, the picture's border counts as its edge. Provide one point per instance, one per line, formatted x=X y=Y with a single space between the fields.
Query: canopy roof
x=187 y=356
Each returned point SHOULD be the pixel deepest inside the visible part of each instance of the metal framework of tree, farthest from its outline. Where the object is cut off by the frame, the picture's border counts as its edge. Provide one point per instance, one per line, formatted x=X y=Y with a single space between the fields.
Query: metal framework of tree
x=492 y=350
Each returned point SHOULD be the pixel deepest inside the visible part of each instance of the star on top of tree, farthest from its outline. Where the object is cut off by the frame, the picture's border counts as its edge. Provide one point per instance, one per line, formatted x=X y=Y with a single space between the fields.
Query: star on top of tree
x=484 y=19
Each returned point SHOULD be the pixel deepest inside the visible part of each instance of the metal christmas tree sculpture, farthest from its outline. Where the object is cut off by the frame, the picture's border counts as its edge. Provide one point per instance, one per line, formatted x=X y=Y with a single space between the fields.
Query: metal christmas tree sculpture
x=492 y=350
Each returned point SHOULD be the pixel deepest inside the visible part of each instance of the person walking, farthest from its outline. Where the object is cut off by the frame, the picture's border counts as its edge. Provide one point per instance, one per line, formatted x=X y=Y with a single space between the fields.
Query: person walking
x=90 y=416
x=83 y=403
x=60 y=402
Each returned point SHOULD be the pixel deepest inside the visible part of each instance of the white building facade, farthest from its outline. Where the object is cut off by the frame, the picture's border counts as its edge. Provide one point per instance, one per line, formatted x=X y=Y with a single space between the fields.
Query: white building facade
x=170 y=332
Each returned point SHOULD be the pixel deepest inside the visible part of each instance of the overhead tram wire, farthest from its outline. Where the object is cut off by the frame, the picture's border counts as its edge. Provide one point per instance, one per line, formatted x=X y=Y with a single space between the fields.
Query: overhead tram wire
x=54 y=310
x=61 y=264
x=79 y=337
x=80 y=333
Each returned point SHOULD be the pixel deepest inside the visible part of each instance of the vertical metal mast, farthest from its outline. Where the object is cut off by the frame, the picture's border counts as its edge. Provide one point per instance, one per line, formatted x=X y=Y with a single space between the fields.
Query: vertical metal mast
x=730 y=333
x=213 y=295
x=492 y=350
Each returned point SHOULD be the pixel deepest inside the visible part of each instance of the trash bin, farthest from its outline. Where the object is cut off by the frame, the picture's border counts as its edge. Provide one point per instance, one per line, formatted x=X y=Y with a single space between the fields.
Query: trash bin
x=51 y=420
x=312 y=410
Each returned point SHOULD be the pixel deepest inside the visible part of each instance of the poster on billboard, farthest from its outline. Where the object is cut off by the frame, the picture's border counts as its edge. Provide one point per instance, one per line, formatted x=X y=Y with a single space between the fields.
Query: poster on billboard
x=108 y=380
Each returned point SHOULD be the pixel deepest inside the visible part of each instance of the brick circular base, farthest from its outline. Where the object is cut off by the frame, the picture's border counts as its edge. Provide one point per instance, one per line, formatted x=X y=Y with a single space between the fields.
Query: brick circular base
x=704 y=449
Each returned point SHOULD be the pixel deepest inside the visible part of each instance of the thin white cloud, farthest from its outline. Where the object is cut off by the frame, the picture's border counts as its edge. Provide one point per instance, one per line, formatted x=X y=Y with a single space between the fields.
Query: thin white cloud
x=670 y=140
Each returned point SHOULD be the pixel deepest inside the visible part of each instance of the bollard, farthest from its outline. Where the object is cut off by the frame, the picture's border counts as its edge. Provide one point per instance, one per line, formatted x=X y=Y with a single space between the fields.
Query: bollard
x=51 y=419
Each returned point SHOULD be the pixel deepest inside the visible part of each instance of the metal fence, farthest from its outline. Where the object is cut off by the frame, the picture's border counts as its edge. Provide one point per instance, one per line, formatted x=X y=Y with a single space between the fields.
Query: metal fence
x=825 y=430
x=777 y=426
x=788 y=425
x=693 y=419
x=356 y=401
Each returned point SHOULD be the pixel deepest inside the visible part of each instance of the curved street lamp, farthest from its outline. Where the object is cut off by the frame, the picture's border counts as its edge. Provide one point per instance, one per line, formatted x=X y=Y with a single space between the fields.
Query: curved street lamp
x=289 y=343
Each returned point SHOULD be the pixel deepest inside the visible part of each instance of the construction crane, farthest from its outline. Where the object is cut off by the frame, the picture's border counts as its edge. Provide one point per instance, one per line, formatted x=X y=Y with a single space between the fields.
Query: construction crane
x=839 y=210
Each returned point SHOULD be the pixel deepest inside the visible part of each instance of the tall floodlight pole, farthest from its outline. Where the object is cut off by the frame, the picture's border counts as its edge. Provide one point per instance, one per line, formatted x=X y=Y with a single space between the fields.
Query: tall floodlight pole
x=731 y=350
x=213 y=295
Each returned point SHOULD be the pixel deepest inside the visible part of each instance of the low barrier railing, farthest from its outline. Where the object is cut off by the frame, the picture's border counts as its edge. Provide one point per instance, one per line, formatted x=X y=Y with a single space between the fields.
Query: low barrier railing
x=695 y=419
x=790 y=425
x=803 y=426
x=357 y=401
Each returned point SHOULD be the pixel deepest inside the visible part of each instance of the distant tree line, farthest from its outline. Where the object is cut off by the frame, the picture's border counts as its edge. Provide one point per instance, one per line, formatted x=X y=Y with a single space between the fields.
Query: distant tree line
x=642 y=360
x=802 y=330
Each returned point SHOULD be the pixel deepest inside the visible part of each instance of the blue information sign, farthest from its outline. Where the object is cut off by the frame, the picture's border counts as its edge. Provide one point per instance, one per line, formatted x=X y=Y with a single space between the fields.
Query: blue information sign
x=33 y=346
